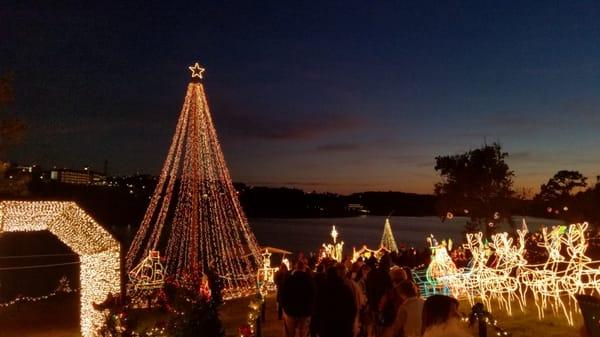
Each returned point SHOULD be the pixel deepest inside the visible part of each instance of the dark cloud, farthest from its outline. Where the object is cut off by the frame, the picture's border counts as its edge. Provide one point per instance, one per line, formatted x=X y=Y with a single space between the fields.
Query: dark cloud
x=298 y=127
x=338 y=147
x=95 y=126
x=521 y=155
x=408 y=158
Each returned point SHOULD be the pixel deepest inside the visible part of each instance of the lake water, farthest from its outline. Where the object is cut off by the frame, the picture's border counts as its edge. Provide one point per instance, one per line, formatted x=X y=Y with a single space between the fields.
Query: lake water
x=304 y=235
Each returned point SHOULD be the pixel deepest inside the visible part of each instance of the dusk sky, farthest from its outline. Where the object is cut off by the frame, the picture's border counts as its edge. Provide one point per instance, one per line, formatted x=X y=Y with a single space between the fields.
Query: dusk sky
x=329 y=96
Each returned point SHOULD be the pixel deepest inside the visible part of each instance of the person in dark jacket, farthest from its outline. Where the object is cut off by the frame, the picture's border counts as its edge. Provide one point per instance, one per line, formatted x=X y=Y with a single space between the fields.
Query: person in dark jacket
x=280 y=277
x=335 y=308
x=377 y=284
x=297 y=299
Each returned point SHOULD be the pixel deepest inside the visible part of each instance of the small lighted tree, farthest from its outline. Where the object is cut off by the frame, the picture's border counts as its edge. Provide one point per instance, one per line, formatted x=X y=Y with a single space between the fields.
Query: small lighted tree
x=387 y=240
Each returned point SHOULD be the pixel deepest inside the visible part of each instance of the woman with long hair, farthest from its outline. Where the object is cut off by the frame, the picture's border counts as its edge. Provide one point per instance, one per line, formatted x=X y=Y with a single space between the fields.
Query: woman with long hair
x=440 y=318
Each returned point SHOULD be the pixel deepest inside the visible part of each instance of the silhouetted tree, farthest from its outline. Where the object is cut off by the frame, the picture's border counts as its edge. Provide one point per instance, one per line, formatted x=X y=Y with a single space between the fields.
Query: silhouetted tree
x=477 y=183
x=11 y=132
x=560 y=187
x=11 y=128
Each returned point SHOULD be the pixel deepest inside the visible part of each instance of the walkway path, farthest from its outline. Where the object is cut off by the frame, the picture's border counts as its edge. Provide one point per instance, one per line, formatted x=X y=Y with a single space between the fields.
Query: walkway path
x=234 y=314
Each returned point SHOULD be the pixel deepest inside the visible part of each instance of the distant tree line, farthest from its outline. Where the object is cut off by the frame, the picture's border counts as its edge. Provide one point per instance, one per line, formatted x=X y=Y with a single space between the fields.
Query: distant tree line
x=291 y=202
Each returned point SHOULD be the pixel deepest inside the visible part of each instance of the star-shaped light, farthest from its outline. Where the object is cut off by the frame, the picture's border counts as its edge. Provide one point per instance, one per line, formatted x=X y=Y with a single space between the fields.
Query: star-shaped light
x=266 y=259
x=334 y=234
x=196 y=70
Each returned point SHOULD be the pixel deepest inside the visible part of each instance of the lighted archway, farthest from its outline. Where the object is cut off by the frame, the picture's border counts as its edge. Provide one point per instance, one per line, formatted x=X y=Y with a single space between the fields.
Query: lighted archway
x=97 y=249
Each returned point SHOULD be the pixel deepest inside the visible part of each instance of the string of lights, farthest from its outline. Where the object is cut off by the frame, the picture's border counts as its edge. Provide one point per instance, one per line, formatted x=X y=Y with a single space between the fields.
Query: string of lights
x=34 y=256
x=194 y=216
x=489 y=320
x=40 y=266
x=36 y=298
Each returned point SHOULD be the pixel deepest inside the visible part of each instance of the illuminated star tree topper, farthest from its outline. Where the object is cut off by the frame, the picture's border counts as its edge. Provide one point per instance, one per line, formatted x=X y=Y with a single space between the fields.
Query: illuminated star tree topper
x=197 y=71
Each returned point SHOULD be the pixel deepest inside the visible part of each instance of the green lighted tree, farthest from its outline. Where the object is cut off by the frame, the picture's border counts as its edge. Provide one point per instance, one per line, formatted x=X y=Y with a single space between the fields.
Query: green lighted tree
x=478 y=184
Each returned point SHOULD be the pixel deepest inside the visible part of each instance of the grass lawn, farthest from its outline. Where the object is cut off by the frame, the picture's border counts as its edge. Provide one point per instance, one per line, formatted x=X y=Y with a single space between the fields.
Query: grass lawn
x=59 y=317
x=234 y=314
x=526 y=324
x=55 y=317
x=520 y=324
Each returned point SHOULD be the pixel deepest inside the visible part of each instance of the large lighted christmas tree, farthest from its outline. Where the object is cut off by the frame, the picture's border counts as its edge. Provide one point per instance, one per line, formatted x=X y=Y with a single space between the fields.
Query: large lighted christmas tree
x=387 y=240
x=194 y=217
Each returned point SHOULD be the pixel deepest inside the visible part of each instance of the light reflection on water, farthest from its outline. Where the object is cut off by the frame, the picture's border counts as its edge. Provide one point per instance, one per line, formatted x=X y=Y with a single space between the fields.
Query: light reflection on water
x=304 y=235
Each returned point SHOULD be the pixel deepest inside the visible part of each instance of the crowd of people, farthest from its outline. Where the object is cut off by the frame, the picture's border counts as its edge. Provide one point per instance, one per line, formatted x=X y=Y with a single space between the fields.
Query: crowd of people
x=367 y=298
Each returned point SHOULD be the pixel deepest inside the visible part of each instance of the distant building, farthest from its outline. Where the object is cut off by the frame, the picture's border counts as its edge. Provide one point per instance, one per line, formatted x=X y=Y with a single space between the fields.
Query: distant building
x=358 y=208
x=31 y=172
x=79 y=177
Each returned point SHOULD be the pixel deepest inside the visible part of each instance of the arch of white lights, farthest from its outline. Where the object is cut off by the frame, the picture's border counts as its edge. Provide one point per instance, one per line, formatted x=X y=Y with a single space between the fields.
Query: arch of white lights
x=98 y=251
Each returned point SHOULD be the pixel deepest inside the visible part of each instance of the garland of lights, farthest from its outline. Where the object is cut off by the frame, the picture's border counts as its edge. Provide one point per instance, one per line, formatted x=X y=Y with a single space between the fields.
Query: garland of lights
x=98 y=250
x=194 y=216
x=479 y=314
x=63 y=288
x=366 y=253
x=255 y=306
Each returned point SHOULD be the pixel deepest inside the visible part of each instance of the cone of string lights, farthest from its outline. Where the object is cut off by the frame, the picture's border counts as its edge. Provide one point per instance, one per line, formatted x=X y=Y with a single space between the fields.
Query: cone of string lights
x=194 y=217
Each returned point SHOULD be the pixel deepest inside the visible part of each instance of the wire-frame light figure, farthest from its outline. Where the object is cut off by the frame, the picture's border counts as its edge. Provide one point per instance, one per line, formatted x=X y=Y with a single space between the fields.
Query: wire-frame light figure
x=194 y=216
x=148 y=274
x=441 y=265
x=555 y=283
x=266 y=274
x=334 y=250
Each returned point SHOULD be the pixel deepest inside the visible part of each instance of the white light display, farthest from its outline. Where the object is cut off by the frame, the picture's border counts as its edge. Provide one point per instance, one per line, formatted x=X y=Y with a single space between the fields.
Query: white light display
x=194 y=216
x=97 y=249
x=266 y=274
x=366 y=253
x=499 y=271
x=559 y=278
x=334 y=250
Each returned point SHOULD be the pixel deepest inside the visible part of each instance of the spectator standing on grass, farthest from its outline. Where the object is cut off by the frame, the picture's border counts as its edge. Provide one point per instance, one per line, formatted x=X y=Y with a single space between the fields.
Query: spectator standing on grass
x=377 y=284
x=319 y=278
x=335 y=308
x=297 y=299
x=360 y=299
x=280 y=277
x=392 y=300
x=408 y=317
x=440 y=318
